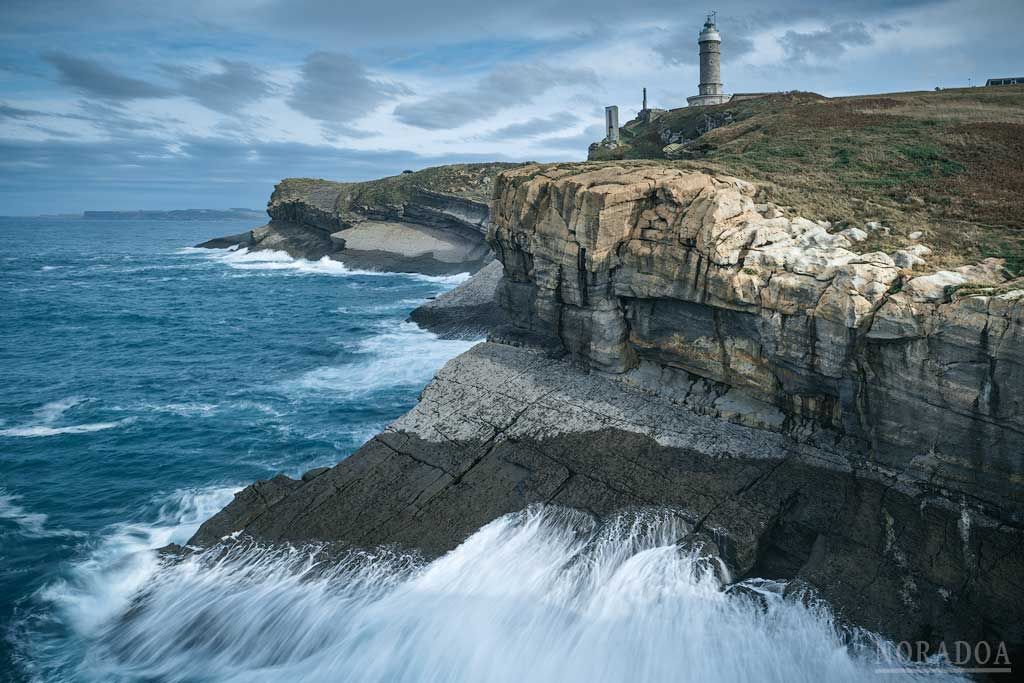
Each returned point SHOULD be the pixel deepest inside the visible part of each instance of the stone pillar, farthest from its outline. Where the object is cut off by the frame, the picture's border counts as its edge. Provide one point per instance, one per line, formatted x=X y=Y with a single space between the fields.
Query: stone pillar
x=611 y=123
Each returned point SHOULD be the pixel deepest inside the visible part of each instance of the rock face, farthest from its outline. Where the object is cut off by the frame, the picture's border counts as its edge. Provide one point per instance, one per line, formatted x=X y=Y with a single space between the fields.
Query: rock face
x=433 y=221
x=470 y=311
x=818 y=414
x=503 y=427
x=647 y=264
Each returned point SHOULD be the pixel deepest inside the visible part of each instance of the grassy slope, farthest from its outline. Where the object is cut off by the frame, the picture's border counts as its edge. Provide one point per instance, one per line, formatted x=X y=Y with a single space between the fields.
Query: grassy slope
x=949 y=163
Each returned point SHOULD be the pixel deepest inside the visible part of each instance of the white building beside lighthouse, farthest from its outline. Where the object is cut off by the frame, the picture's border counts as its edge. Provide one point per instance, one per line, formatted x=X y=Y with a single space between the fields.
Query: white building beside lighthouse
x=709 y=91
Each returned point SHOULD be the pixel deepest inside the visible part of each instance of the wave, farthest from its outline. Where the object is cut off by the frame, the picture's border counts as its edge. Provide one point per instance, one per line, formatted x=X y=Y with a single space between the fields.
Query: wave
x=46 y=415
x=400 y=355
x=273 y=260
x=547 y=594
x=54 y=410
x=32 y=524
x=190 y=409
x=32 y=431
x=390 y=307
x=102 y=585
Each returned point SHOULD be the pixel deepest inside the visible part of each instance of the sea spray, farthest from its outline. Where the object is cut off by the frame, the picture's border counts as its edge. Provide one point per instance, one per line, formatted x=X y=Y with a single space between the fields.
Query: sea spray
x=547 y=594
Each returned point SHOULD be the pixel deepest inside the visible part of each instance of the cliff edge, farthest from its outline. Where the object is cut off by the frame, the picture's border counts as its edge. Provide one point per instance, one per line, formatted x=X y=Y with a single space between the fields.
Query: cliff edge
x=843 y=418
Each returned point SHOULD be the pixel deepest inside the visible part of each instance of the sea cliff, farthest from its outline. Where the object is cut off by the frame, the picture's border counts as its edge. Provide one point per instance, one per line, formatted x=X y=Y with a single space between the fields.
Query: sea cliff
x=848 y=420
x=432 y=221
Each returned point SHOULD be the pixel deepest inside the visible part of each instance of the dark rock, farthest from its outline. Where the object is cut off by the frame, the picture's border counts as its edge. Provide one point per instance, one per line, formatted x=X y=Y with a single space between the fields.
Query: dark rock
x=470 y=311
x=246 y=509
x=314 y=473
x=242 y=239
x=501 y=428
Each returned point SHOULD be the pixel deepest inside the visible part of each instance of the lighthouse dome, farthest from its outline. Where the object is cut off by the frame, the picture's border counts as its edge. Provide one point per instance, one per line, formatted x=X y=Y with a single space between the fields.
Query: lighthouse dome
x=709 y=33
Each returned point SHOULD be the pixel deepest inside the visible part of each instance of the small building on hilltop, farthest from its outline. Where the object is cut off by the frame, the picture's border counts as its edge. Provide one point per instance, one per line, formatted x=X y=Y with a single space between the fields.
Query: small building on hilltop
x=1018 y=80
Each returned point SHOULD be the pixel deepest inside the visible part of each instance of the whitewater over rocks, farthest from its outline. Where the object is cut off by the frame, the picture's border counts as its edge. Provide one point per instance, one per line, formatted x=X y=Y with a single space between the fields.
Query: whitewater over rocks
x=543 y=594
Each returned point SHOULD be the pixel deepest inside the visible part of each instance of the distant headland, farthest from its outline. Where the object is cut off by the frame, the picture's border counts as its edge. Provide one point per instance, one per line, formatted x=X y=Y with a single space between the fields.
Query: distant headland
x=149 y=215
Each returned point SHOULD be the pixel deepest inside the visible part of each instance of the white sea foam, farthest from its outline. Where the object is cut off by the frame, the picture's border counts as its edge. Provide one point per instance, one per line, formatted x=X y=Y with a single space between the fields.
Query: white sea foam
x=54 y=410
x=188 y=409
x=273 y=260
x=31 y=431
x=400 y=354
x=103 y=584
x=401 y=304
x=258 y=407
x=543 y=595
x=47 y=415
x=32 y=524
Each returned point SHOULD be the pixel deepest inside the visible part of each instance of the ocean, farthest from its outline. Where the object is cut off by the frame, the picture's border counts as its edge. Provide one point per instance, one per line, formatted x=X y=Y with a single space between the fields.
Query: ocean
x=144 y=382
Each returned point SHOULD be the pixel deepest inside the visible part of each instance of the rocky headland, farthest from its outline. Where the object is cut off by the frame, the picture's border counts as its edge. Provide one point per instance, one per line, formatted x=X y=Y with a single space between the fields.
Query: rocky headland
x=843 y=417
x=432 y=221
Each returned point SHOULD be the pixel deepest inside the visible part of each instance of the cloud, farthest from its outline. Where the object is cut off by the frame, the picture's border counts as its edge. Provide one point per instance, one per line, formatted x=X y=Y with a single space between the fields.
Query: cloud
x=9 y=112
x=151 y=172
x=534 y=127
x=679 y=46
x=234 y=85
x=336 y=88
x=507 y=86
x=92 y=78
x=574 y=144
x=230 y=87
x=824 y=44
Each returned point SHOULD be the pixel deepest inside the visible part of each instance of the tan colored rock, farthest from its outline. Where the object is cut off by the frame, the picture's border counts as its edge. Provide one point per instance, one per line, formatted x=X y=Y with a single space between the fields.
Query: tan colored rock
x=626 y=264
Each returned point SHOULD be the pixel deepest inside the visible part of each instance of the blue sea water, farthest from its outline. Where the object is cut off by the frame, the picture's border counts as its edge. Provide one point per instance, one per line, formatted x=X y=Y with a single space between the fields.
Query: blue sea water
x=142 y=382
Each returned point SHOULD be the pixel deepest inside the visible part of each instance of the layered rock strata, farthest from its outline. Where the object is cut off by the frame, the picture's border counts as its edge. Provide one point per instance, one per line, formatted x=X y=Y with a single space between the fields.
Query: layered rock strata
x=647 y=264
x=421 y=230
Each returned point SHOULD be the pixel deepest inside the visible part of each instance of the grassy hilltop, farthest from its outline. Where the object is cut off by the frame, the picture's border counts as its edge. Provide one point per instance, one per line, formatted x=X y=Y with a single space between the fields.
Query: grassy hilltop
x=948 y=163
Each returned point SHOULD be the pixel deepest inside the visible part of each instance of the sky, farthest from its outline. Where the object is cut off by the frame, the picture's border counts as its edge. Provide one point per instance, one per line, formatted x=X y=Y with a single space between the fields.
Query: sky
x=121 y=104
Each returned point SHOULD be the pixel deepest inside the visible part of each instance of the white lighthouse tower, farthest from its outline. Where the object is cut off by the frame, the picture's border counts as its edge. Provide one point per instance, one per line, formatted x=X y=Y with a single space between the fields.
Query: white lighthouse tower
x=710 y=88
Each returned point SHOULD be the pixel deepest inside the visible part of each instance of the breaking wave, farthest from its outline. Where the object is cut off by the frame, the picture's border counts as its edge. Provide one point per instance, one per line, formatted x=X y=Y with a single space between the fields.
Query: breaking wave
x=270 y=259
x=542 y=595
x=400 y=354
x=101 y=586
x=45 y=416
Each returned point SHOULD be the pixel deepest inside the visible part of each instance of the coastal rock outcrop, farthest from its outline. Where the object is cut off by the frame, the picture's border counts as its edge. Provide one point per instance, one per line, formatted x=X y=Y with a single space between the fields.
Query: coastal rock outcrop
x=470 y=311
x=632 y=264
x=431 y=221
x=817 y=414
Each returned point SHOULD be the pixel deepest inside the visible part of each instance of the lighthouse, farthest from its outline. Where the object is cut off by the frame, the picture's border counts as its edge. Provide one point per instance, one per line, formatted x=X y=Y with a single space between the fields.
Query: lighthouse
x=709 y=91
